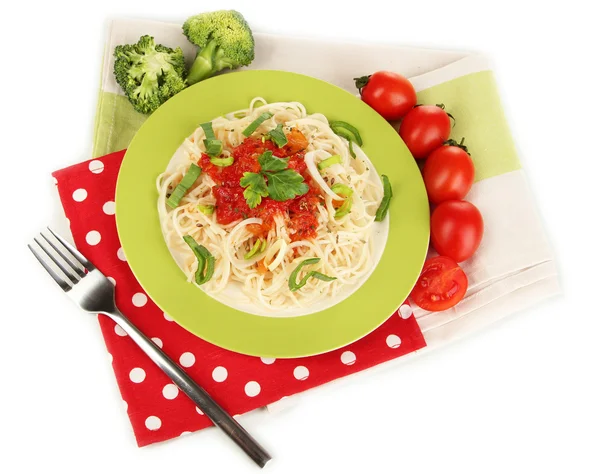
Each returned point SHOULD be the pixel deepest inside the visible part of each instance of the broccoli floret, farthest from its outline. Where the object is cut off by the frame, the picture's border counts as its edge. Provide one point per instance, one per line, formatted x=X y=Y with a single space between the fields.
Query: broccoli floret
x=224 y=40
x=149 y=73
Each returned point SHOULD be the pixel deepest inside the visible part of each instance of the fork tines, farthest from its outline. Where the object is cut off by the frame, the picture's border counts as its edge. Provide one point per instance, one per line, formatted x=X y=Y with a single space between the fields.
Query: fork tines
x=71 y=263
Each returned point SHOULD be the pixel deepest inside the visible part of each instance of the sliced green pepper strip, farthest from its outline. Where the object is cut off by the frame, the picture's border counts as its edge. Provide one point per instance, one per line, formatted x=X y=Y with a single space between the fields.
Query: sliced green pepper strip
x=206 y=262
x=222 y=162
x=263 y=246
x=277 y=136
x=327 y=162
x=206 y=210
x=255 y=250
x=295 y=286
x=343 y=209
x=351 y=128
x=342 y=132
x=184 y=185
x=385 y=202
x=250 y=129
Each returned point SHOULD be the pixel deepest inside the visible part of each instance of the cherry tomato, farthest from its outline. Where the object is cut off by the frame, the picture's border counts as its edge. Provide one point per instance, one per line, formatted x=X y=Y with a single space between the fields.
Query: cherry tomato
x=456 y=229
x=390 y=94
x=424 y=129
x=448 y=174
x=441 y=285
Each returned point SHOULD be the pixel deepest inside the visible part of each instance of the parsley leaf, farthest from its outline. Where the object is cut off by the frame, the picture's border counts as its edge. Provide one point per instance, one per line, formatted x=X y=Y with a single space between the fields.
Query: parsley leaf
x=268 y=162
x=286 y=184
x=256 y=188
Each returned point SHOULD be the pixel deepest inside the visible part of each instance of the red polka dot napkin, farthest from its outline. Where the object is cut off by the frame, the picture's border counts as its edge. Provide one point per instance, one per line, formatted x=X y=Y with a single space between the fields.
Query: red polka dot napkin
x=240 y=383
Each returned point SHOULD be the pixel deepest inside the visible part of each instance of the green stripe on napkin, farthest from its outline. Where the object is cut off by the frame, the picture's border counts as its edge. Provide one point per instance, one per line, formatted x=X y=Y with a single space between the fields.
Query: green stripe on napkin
x=474 y=102
x=116 y=124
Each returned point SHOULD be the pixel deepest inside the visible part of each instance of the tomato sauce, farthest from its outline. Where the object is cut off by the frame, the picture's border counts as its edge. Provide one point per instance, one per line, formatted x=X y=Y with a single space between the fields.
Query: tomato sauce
x=300 y=213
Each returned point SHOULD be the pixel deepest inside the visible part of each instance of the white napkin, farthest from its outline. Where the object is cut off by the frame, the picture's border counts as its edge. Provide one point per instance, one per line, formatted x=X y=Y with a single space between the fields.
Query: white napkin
x=514 y=266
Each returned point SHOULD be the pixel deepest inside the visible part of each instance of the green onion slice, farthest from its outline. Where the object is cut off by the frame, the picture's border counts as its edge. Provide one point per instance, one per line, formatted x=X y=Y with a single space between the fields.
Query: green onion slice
x=277 y=136
x=239 y=115
x=213 y=147
x=206 y=210
x=258 y=247
x=206 y=262
x=327 y=162
x=385 y=202
x=222 y=162
x=294 y=286
x=250 y=129
x=343 y=209
x=184 y=185
x=342 y=190
x=208 y=130
x=350 y=128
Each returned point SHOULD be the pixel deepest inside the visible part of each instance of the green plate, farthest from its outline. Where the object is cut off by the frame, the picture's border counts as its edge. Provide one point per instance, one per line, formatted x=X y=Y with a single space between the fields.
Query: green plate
x=152 y=264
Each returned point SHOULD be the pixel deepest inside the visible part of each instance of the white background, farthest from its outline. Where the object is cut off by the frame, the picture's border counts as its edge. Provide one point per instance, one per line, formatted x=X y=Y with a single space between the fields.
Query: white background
x=520 y=397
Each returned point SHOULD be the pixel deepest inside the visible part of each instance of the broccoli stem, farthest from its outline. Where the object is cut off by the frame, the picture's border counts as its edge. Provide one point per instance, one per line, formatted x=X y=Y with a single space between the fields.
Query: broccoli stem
x=204 y=65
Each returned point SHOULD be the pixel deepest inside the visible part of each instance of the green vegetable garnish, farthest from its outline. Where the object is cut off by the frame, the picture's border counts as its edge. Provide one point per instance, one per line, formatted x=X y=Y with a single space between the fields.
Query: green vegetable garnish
x=213 y=146
x=286 y=184
x=224 y=40
x=208 y=130
x=350 y=128
x=149 y=73
x=206 y=210
x=347 y=131
x=222 y=162
x=184 y=185
x=268 y=162
x=250 y=129
x=385 y=202
x=258 y=247
x=327 y=162
x=343 y=190
x=206 y=262
x=277 y=136
x=256 y=188
x=282 y=183
x=294 y=286
x=239 y=115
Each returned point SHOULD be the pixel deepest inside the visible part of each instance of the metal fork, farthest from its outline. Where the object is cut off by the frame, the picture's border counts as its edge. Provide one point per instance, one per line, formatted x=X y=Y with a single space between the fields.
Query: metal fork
x=94 y=293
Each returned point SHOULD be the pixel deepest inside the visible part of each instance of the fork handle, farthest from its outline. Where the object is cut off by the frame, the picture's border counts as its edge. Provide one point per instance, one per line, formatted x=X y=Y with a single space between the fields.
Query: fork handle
x=198 y=395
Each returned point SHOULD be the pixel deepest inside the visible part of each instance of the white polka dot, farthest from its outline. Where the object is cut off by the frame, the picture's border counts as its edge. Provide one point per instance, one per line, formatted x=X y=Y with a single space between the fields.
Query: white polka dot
x=121 y=254
x=167 y=317
x=153 y=423
x=55 y=180
x=137 y=375
x=125 y=405
x=200 y=412
x=112 y=280
x=348 y=358
x=170 y=391
x=120 y=331
x=185 y=433
x=110 y=357
x=252 y=389
x=301 y=372
x=157 y=341
x=79 y=195
x=93 y=237
x=139 y=300
x=219 y=374
x=96 y=166
x=393 y=341
x=187 y=359
x=405 y=311
x=267 y=360
x=109 y=208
